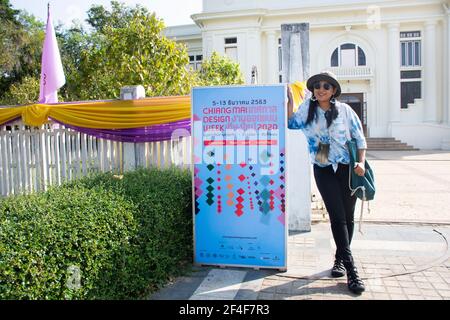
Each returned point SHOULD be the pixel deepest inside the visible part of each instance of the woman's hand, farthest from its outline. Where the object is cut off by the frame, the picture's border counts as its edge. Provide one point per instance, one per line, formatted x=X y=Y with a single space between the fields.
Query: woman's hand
x=360 y=169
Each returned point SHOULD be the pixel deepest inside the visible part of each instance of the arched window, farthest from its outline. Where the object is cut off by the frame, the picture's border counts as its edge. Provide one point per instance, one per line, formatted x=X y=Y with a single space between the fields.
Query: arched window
x=348 y=55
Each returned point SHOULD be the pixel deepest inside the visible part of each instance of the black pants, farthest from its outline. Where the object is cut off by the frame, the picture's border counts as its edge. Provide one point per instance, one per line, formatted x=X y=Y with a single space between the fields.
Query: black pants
x=340 y=205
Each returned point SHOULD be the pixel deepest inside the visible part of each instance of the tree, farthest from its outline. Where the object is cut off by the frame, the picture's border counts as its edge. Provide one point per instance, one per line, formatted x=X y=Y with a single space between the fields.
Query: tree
x=99 y=17
x=124 y=47
x=9 y=35
x=127 y=48
x=220 y=70
x=32 y=40
x=9 y=44
x=72 y=42
x=21 y=40
x=24 y=92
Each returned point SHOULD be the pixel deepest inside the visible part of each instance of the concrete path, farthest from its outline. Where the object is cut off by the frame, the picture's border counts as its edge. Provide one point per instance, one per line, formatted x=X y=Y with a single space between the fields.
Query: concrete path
x=403 y=254
x=397 y=262
x=412 y=186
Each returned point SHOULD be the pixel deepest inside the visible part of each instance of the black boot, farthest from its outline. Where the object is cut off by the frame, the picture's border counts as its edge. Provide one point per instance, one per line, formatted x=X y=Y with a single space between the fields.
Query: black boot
x=338 y=269
x=354 y=282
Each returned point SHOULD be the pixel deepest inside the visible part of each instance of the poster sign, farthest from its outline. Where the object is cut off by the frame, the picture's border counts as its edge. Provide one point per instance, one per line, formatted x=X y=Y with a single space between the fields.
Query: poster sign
x=239 y=182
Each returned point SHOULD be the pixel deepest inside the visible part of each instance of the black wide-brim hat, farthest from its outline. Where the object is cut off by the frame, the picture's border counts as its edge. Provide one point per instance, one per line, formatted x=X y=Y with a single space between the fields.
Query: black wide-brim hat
x=324 y=76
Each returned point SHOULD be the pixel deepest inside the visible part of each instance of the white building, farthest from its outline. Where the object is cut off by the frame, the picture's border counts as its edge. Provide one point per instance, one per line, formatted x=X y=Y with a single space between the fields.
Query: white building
x=391 y=56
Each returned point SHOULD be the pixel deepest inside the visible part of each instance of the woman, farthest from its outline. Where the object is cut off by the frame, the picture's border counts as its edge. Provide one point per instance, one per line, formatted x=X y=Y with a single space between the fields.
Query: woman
x=327 y=124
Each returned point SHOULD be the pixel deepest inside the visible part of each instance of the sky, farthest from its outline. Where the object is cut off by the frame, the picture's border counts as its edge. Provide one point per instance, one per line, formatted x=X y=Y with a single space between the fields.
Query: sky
x=173 y=12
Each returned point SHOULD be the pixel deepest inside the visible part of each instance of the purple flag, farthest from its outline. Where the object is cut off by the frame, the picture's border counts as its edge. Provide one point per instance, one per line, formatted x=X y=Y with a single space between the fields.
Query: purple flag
x=52 y=73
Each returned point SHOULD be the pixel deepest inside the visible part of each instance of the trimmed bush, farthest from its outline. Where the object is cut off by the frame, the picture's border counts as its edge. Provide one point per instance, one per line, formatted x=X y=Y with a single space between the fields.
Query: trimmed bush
x=97 y=238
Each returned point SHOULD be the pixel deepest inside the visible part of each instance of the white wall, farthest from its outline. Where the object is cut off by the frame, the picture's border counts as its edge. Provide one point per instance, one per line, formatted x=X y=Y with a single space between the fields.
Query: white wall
x=210 y=6
x=422 y=135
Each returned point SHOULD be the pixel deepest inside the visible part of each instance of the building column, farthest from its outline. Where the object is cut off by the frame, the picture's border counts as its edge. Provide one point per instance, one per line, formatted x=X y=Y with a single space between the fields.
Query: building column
x=430 y=83
x=272 y=59
x=394 y=101
x=207 y=44
x=253 y=58
x=253 y=55
x=372 y=108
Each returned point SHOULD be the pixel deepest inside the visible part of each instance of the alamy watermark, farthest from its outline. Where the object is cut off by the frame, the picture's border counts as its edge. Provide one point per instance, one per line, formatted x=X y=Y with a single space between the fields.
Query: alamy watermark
x=233 y=146
x=374 y=19
x=73 y=281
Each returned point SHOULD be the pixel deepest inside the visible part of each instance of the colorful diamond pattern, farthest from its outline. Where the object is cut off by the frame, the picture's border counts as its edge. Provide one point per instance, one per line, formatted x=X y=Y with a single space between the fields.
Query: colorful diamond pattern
x=267 y=198
x=252 y=206
x=197 y=189
x=265 y=195
x=265 y=180
x=280 y=192
x=219 y=197
x=210 y=188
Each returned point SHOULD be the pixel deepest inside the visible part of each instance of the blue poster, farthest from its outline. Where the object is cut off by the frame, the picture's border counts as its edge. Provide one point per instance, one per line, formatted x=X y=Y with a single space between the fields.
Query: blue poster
x=239 y=182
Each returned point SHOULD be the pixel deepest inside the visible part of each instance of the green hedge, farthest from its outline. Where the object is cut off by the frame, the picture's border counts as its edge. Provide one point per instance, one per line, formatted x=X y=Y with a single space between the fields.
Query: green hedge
x=97 y=238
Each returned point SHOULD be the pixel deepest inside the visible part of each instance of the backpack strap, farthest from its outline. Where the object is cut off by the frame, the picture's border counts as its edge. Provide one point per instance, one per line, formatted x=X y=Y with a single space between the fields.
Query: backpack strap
x=353 y=191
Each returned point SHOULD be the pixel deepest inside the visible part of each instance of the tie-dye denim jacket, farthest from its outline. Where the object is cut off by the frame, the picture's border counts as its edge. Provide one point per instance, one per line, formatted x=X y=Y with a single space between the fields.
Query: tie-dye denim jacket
x=335 y=135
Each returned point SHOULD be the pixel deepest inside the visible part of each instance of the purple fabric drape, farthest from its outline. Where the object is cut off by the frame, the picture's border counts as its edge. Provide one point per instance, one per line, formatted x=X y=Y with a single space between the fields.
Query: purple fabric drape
x=153 y=133
x=9 y=122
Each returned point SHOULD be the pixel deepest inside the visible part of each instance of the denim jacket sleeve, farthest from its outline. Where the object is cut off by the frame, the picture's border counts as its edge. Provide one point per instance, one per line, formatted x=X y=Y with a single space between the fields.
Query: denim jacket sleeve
x=298 y=119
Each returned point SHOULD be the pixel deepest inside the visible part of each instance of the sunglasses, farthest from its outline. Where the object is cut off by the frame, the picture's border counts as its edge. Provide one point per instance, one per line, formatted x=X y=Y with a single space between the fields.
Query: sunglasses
x=325 y=86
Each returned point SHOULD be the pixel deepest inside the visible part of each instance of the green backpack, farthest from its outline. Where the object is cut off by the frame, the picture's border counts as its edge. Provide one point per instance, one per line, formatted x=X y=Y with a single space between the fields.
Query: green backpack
x=363 y=187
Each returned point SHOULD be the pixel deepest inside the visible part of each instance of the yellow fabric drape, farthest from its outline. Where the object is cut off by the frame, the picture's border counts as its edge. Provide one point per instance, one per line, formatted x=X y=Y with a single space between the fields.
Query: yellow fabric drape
x=298 y=93
x=35 y=115
x=8 y=114
x=119 y=114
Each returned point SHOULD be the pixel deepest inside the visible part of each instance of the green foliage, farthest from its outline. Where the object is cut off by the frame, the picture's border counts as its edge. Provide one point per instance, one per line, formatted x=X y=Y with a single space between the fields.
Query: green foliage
x=9 y=36
x=6 y=11
x=120 y=14
x=24 y=92
x=72 y=43
x=21 y=39
x=127 y=236
x=128 y=49
x=220 y=70
x=124 y=47
x=43 y=235
x=32 y=40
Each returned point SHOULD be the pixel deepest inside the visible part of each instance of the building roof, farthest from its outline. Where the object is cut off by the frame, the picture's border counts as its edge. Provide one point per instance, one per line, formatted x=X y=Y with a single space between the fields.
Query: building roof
x=183 y=32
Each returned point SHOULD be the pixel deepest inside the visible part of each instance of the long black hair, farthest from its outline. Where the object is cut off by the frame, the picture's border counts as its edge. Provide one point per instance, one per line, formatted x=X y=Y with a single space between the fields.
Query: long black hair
x=330 y=115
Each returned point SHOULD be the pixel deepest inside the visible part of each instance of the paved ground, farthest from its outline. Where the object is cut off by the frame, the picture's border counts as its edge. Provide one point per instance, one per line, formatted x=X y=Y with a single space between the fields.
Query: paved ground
x=399 y=262
x=403 y=253
x=412 y=186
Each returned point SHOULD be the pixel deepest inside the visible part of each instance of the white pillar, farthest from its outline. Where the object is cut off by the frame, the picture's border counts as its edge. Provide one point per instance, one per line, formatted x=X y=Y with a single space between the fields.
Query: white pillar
x=394 y=101
x=208 y=45
x=253 y=54
x=430 y=83
x=372 y=108
x=298 y=168
x=272 y=59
